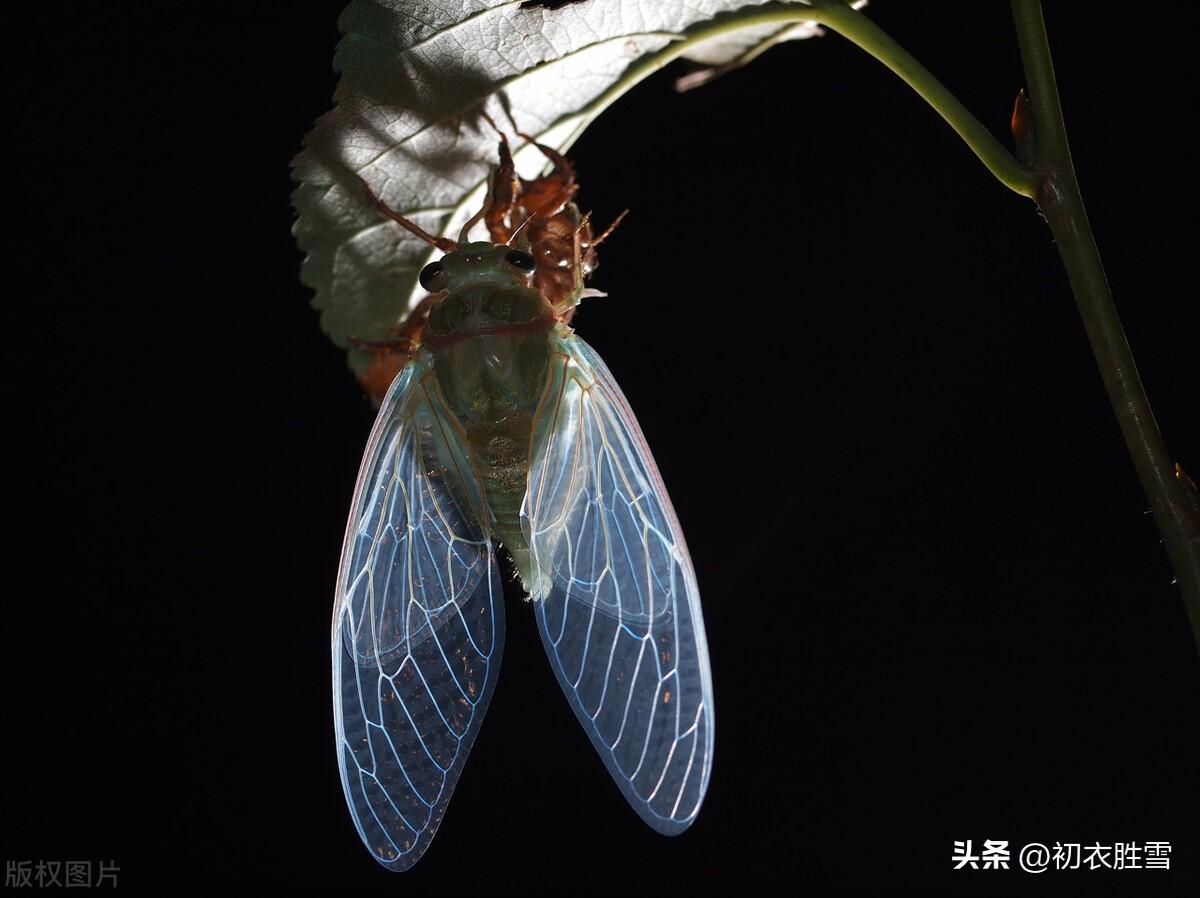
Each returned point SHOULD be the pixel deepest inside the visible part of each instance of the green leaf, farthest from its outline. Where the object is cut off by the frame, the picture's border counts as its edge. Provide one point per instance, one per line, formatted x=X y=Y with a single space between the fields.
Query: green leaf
x=415 y=77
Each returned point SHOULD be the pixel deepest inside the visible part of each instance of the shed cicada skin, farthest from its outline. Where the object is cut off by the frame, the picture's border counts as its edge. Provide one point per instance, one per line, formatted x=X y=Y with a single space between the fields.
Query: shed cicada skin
x=541 y=215
x=502 y=428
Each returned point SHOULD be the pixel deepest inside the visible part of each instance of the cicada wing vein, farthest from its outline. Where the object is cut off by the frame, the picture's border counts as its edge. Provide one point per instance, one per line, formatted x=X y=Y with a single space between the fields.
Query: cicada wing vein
x=617 y=603
x=418 y=624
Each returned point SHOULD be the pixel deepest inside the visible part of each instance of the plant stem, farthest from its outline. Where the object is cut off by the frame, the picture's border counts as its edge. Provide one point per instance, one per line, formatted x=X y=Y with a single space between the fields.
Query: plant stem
x=1174 y=505
x=859 y=30
x=864 y=33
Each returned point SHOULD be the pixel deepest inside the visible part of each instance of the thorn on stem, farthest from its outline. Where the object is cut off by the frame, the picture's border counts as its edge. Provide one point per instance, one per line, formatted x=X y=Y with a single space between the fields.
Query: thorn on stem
x=1022 y=127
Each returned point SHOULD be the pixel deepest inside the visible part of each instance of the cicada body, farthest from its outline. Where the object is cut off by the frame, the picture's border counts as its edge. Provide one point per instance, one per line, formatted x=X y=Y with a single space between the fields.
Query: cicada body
x=504 y=428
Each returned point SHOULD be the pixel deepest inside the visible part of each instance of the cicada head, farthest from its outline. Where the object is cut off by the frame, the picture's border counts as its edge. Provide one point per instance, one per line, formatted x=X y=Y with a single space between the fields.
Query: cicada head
x=487 y=291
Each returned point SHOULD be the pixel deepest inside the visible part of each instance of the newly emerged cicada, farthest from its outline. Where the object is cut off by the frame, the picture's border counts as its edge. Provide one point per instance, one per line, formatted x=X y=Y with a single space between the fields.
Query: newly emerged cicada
x=503 y=428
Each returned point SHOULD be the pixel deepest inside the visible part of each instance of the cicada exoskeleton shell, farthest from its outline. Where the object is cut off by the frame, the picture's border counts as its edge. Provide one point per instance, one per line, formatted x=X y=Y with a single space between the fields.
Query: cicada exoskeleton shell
x=538 y=215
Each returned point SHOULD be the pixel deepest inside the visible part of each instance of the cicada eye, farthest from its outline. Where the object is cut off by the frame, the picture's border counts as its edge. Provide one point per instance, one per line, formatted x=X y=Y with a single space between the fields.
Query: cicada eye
x=518 y=258
x=432 y=276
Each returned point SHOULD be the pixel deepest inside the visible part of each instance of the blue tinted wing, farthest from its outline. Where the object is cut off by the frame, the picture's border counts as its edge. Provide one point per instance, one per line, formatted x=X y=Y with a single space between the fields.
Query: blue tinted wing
x=616 y=596
x=418 y=623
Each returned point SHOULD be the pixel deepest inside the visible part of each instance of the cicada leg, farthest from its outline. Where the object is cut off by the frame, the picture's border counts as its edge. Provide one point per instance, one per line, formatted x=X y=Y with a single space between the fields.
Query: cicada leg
x=551 y=193
x=445 y=244
x=593 y=243
x=502 y=194
x=531 y=198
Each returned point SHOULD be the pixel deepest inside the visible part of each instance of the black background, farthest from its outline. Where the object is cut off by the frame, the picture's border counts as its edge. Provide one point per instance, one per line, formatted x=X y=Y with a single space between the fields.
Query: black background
x=937 y=608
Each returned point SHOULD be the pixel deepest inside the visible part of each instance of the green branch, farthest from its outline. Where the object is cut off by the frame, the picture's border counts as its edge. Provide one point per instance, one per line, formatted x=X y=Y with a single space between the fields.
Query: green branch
x=864 y=33
x=1172 y=499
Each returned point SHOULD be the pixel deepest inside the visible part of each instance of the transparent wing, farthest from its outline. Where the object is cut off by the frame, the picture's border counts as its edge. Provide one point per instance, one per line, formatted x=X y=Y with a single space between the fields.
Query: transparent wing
x=418 y=623
x=617 y=602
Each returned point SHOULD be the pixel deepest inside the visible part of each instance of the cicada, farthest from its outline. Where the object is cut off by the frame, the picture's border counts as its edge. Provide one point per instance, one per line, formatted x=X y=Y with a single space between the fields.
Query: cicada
x=503 y=428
